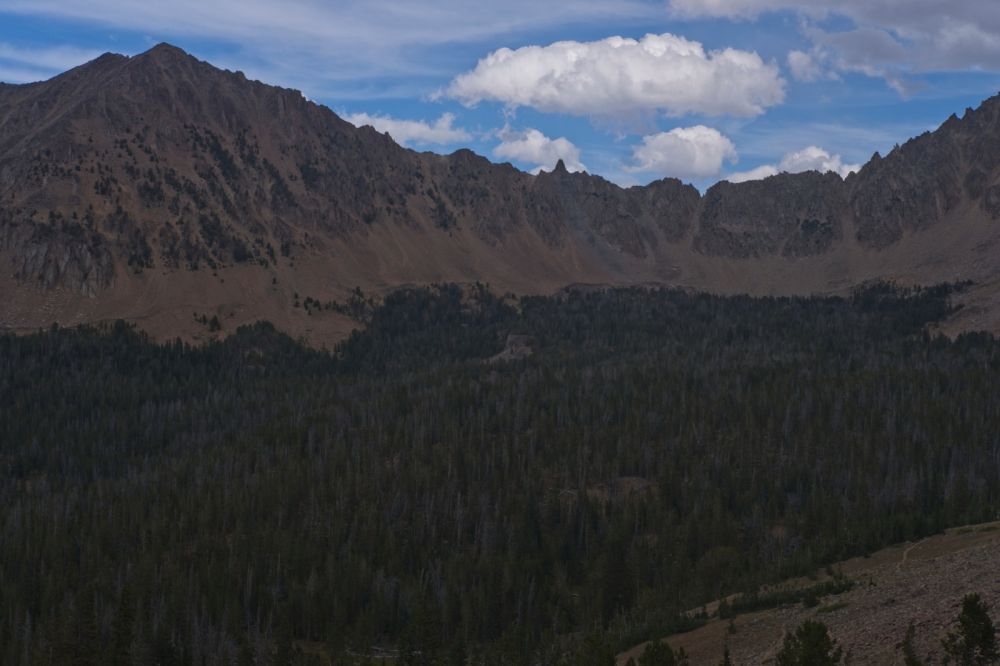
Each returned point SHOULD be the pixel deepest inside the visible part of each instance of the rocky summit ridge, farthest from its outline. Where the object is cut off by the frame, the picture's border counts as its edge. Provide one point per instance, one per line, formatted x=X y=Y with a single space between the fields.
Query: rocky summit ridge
x=158 y=188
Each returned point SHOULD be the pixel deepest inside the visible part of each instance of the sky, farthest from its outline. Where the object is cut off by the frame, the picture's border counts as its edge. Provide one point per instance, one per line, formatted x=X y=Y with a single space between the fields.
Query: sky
x=632 y=90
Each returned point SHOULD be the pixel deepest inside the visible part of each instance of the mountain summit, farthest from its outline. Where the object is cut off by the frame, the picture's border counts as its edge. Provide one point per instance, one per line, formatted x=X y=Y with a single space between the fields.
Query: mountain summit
x=159 y=189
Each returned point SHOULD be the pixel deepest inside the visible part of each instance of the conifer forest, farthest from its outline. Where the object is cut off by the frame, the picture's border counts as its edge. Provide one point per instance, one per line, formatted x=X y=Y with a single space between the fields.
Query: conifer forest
x=423 y=492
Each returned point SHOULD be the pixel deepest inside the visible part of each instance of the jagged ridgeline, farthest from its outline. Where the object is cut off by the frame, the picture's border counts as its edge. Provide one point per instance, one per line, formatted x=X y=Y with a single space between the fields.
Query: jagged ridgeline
x=135 y=187
x=472 y=476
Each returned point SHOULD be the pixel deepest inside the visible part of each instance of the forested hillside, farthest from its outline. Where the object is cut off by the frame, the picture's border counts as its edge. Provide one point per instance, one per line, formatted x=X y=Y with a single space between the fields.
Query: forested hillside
x=254 y=501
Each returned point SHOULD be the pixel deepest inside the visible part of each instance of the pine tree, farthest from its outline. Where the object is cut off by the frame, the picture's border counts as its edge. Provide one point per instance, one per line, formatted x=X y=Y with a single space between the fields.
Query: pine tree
x=594 y=651
x=910 y=657
x=121 y=630
x=974 y=641
x=659 y=653
x=810 y=645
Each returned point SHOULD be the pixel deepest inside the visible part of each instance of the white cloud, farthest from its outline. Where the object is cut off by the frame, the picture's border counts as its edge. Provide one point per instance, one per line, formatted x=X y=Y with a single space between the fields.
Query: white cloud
x=757 y=173
x=619 y=75
x=532 y=147
x=414 y=132
x=684 y=152
x=803 y=66
x=890 y=39
x=812 y=158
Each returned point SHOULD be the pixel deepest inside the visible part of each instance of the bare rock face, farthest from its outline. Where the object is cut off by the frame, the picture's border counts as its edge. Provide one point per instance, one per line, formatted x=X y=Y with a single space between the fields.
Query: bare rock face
x=51 y=257
x=516 y=348
x=591 y=204
x=671 y=205
x=911 y=189
x=796 y=215
x=921 y=182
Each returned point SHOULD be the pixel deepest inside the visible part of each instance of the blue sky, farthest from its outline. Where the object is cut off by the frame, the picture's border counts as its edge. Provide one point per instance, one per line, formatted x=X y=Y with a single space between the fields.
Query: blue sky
x=633 y=90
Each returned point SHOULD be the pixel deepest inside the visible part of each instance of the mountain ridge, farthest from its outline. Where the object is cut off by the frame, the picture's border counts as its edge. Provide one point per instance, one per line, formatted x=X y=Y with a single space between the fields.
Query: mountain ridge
x=124 y=182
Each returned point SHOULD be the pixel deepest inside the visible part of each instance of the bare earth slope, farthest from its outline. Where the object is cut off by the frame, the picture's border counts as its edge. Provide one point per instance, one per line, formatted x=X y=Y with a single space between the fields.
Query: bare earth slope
x=921 y=582
x=158 y=187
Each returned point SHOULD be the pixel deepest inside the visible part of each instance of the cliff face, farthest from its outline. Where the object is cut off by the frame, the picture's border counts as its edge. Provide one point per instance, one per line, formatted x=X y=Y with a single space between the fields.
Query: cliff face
x=793 y=215
x=131 y=174
x=929 y=177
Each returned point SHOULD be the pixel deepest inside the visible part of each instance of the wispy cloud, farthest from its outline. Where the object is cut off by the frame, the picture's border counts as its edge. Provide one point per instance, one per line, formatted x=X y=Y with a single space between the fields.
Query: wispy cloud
x=856 y=142
x=890 y=40
x=20 y=64
x=318 y=43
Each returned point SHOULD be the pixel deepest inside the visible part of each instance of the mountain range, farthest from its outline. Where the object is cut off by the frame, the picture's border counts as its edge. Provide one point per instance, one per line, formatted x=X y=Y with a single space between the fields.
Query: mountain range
x=164 y=191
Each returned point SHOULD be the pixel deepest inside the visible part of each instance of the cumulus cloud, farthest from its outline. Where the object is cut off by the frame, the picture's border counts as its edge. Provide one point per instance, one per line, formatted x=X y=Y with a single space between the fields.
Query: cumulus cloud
x=532 y=147
x=618 y=75
x=892 y=40
x=684 y=152
x=812 y=158
x=414 y=132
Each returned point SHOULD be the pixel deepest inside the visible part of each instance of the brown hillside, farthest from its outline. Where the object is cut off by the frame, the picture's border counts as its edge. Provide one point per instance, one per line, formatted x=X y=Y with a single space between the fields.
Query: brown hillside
x=158 y=187
x=921 y=582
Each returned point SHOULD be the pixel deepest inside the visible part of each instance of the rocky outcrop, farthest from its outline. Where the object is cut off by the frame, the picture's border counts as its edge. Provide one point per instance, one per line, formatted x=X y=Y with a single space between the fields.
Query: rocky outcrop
x=516 y=347
x=797 y=215
x=52 y=256
x=920 y=183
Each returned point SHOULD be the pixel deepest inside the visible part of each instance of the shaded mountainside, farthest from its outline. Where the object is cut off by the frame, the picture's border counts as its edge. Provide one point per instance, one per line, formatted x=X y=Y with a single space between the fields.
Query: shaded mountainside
x=126 y=182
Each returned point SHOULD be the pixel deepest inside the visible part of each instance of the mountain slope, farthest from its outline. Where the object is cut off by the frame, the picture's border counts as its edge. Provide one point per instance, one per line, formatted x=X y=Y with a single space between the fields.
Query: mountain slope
x=158 y=187
x=922 y=582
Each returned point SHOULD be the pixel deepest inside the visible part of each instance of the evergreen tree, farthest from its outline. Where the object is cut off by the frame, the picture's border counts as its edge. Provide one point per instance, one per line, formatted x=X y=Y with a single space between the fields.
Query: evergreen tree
x=617 y=581
x=810 y=645
x=910 y=657
x=122 y=628
x=974 y=641
x=659 y=653
x=594 y=651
